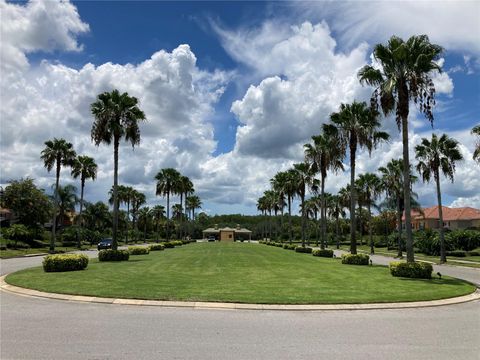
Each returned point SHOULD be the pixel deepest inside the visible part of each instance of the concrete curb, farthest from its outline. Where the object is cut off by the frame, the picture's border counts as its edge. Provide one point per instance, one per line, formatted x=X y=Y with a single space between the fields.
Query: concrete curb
x=236 y=306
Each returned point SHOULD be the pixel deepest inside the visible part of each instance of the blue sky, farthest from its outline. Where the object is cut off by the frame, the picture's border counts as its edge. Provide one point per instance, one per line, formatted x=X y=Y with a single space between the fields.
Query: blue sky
x=232 y=90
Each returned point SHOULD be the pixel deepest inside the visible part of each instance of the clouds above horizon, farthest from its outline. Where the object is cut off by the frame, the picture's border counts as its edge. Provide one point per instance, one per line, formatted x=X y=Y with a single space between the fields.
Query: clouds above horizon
x=297 y=75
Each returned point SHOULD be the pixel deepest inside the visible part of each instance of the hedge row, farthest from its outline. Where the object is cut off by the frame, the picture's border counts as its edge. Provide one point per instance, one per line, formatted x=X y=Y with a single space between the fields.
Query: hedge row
x=323 y=253
x=113 y=255
x=138 y=250
x=157 y=247
x=301 y=249
x=289 y=246
x=67 y=262
x=411 y=270
x=355 y=259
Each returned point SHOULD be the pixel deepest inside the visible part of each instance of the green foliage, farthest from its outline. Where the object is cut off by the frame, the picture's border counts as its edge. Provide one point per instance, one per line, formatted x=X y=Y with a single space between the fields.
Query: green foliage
x=464 y=239
x=301 y=249
x=168 y=244
x=113 y=255
x=65 y=262
x=474 y=253
x=30 y=204
x=17 y=232
x=457 y=253
x=323 y=253
x=157 y=247
x=355 y=259
x=138 y=250
x=289 y=246
x=411 y=270
x=428 y=242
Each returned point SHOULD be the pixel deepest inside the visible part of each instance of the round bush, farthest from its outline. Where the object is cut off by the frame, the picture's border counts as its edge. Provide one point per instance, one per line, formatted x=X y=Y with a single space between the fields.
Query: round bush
x=411 y=270
x=138 y=250
x=323 y=253
x=113 y=255
x=157 y=247
x=289 y=246
x=355 y=259
x=301 y=249
x=65 y=262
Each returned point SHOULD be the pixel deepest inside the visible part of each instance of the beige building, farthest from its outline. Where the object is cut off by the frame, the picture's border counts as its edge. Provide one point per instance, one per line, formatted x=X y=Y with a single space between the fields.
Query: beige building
x=453 y=218
x=227 y=233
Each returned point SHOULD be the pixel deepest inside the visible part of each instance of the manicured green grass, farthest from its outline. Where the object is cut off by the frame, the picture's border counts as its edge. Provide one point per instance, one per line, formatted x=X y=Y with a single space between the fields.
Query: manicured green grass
x=239 y=272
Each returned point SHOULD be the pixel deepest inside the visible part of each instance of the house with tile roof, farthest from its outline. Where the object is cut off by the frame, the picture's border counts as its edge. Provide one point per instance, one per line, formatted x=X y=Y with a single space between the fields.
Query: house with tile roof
x=453 y=218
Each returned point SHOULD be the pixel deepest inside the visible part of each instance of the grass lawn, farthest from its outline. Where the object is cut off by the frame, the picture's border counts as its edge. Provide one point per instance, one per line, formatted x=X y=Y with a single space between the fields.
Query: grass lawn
x=239 y=272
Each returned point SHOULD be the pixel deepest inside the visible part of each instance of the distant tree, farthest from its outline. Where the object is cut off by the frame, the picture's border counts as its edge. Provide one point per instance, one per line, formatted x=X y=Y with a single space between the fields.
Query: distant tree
x=97 y=216
x=435 y=155
x=30 y=204
x=371 y=186
x=193 y=203
x=57 y=153
x=67 y=199
x=85 y=168
x=144 y=215
x=404 y=73
x=158 y=213
x=476 y=152
x=167 y=184
x=17 y=232
x=116 y=117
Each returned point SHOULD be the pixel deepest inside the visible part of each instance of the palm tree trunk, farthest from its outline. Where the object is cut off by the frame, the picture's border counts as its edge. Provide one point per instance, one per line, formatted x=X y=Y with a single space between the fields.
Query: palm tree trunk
x=372 y=248
x=168 y=216
x=128 y=221
x=145 y=230
x=336 y=232
x=55 y=209
x=443 y=257
x=116 y=142
x=270 y=224
x=360 y=222
x=353 y=195
x=302 y=197
x=403 y=104
x=322 y=212
x=399 y=221
x=80 y=238
x=290 y=218
x=281 y=220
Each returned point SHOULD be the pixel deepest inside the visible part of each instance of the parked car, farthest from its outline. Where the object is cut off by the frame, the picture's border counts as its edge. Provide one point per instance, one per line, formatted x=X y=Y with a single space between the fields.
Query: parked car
x=211 y=238
x=105 y=244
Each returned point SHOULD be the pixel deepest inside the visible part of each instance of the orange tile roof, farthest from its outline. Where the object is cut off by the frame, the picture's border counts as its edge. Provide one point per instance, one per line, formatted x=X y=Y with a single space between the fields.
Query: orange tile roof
x=449 y=214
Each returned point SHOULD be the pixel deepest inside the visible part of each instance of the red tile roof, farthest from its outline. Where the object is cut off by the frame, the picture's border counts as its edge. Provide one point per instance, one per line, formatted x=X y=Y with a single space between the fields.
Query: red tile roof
x=449 y=214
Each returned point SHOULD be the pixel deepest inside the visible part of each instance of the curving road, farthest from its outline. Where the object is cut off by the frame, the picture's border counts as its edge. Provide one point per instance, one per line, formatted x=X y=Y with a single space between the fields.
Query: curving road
x=33 y=328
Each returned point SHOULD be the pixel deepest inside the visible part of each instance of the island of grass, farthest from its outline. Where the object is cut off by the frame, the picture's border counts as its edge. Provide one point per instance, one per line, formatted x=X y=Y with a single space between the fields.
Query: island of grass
x=239 y=272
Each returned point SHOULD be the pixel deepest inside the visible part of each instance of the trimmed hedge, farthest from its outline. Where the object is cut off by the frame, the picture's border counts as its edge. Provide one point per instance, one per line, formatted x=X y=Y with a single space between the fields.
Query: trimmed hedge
x=138 y=250
x=457 y=253
x=355 y=259
x=289 y=246
x=157 y=247
x=415 y=270
x=113 y=255
x=301 y=249
x=323 y=253
x=168 y=245
x=474 y=253
x=66 y=262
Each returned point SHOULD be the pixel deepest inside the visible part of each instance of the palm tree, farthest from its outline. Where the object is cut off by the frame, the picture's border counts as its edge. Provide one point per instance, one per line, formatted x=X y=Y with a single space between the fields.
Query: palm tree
x=476 y=153
x=57 y=153
x=306 y=179
x=335 y=209
x=158 y=213
x=97 y=216
x=355 y=126
x=144 y=215
x=435 y=155
x=405 y=74
x=137 y=200
x=323 y=155
x=66 y=201
x=167 y=180
x=85 y=168
x=285 y=184
x=193 y=202
x=371 y=187
x=184 y=188
x=263 y=206
x=116 y=117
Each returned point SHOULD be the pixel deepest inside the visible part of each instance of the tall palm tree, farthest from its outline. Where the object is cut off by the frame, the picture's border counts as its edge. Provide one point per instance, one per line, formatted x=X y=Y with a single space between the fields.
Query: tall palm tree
x=67 y=199
x=85 y=168
x=97 y=216
x=335 y=207
x=144 y=216
x=167 y=180
x=306 y=179
x=371 y=187
x=116 y=116
x=158 y=213
x=405 y=74
x=193 y=203
x=435 y=155
x=184 y=187
x=263 y=206
x=137 y=200
x=476 y=152
x=57 y=153
x=355 y=126
x=324 y=154
x=285 y=184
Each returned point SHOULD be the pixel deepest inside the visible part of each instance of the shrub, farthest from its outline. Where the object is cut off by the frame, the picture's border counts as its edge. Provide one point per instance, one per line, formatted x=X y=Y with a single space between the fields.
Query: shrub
x=66 y=262
x=289 y=246
x=463 y=239
x=474 y=253
x=411 y=270
x=457 y=253
x=301 y=249
x=177 y=242
x=113 y=255
x=355 y=259
x=168 y=245
x=157 y=247
x=323 y=253
x=138 y=250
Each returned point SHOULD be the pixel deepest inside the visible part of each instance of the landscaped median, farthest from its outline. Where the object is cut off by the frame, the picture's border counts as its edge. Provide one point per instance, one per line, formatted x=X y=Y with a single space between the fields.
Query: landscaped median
x=240 y=273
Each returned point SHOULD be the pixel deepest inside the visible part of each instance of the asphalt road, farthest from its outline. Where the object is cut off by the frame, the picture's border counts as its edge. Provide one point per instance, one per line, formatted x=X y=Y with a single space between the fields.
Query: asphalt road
x=33 y=328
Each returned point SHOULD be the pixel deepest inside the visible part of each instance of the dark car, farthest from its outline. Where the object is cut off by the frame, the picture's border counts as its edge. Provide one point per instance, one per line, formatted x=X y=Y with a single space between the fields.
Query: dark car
x=105 y=244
